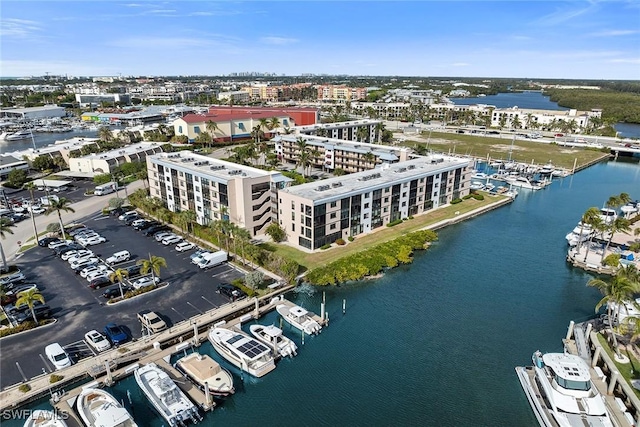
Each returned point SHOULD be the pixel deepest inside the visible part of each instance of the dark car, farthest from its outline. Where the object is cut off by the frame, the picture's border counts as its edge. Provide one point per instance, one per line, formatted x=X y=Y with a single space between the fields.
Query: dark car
x=12 y=310
x=129 y=220
x=116 y=334
x=146 y=225
x=82 y=266
x=114 y=291
x=42 y=311
x=13 y=279
x=44 y=242
x=232 y=292
x=99 y=282
x=119 y=211
x=133 y=270
x=154 y=229
x=66 y=248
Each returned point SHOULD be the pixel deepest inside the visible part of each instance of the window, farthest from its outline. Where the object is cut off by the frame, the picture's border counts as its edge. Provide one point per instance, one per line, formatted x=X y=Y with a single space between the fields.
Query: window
x=197 y=198
x=366 y=216
x=366 y=195
x=196 y=129
x=293 y=216
x=385 y=210
x=179 y=129
x=293 y=227
x=293 y=204
x=386 y=200
x=334 y=204
x=404 y=194
x=332 y=227
x=333 y=215
x=366 y=205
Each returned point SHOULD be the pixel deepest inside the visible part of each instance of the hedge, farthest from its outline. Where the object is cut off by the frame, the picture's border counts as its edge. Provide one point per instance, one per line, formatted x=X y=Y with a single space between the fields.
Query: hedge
x=373 y=260
x=396 y=222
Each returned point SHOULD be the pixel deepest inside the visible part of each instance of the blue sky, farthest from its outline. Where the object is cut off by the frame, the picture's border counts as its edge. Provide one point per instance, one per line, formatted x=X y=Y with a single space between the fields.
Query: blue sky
x=536 y=39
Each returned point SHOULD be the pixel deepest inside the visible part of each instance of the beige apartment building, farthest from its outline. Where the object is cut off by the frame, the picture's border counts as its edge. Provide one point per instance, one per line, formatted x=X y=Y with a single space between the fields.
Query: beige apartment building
x=215 y=189
x=331 y=154
x=106 y=162
x=319 y=213
x=341 y=93
x=349 y=130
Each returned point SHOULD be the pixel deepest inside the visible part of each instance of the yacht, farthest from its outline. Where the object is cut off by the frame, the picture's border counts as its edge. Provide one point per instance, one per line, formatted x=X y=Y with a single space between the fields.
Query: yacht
x=476 y=185
x=608 y=215
x=165 y=396
x=44 y=418
x=205 y=372
x=479 y=175
x=299 y=318
x=580 y=233
x=547 y=169
x=630 y=208
x=275 y=339
x=560 y=392
x=248 y=354
x=96 y=407
x=523 y=182
x=18 y=136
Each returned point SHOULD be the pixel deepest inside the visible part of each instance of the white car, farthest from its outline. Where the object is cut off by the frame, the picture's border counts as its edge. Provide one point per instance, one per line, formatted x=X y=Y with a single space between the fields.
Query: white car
x=138 y=222
x=88 y=235
x=82 y=253
x=83 y=262
x=65 y=256
x=95 y=240
x=38 y=210
x=94 y=268
x=161 y=236
x=145 y=281
x=59 y=243
x=96 y=340
x=58 y=357
x=127 y=215
x=184 y=246
x=97 y=274
x=171 y=240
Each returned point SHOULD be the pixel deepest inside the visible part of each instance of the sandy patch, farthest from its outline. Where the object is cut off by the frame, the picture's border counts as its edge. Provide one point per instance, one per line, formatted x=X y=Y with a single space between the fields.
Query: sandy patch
x=500 y=147
x=569 y=151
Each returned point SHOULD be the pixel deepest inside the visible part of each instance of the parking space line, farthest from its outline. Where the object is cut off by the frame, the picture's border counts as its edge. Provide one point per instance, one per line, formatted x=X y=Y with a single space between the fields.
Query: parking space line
x=45 y=362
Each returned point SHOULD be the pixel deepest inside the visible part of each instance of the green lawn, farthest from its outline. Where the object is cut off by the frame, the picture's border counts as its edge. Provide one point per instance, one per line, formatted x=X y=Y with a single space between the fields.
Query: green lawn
x=498 y=148
x=629 y=371
x=320 y=258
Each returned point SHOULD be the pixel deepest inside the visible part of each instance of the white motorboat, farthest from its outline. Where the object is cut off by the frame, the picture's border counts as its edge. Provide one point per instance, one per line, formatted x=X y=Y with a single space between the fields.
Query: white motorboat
x=559 y=389
x=476 y=185
x=205 y=372
x=523 y=182
x=44 y=418
x=18 y=136
x=580 y=233
x=98 y=408
x=165 y=396
x=628 y=309
x=479 y=175
x=547 y=169
x=275 y=339
x=299 y=318
x=243 y=351
x=608 y=215
x=630 y=208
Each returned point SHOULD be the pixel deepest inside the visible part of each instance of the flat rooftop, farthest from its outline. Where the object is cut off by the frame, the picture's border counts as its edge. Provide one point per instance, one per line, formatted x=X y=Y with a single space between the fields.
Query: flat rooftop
x=337 y=125
x=381 y=177
x=209 y=166
x=124 y=151
x=345 y=145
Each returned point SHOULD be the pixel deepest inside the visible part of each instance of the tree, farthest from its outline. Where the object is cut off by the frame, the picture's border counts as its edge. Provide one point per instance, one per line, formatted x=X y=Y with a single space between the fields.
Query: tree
x=243 y=236
x=119 y=275
x=153 y=265
x=516 y=123
x=187 y=218
x=62 y=204
x=105 y=134
x=370 y=158
x=615 y=292
x=362 y=134
x=5 y=227
x=502 y=121
x=29 y=299
x=616 y=226
x=43 y=163
x=587 y=219
x=116 y=202
x=597 y=225
x=17 y=177
x=379 y=128
x=30 y=186
x=253 y=279
x=274 y=123
x=211 y=127
x=276 y=232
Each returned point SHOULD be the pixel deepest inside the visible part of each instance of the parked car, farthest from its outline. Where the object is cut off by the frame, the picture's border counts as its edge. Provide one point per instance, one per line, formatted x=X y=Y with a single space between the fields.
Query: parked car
x=197 y=253
x=144 y=281
x=154 y=229
x=67 y=248
x=76 y=231
x=162 y=235
x=558 y=134
x=118 y=257
x=117 y=211
x=99 y=282
x=13 y=279
x=57 y=356
x=58 y=243
x=232 y=292
x=151 y=322
x=97 y=274
x=139 y=222
x=184 y=246
x=82 y=263
x=94 y=240
x=83 y=253
x=37 y=209
x=129 y=220
x=198 y=258
x=13 y=309
x=115 y=291
x=22 y=288
x=93 y=269
x=133 y=270
x=116 y=334
x=148 y=225
x=42 y=311
x=84 y=236
x=97 y=341
x=126 y=215
x=169 y=240
x=46 y=240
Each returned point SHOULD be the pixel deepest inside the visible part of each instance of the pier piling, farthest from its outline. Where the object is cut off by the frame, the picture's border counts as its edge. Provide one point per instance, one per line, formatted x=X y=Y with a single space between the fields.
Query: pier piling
x=344 y=306
x=613 y=381
x=570 y=330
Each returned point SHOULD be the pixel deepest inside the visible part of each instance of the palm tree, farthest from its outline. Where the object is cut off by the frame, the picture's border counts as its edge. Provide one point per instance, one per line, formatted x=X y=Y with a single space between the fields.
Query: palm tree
x=119 y=275
x=263 y=124
x=243 y=236
x=211 y=127
x=515 y=123
x=616 y=291
x=616 y=226
x=188 y=217
x=105 y=134
x=587 y=219
x=528 y=121
x=362 y=133
x=153 y=265
x=274 y=123
x=370 y=157
x=598 y=226
x=31 y=187
x=62 y=204
x=379 y=131
x=4 y=228
x=29 y=299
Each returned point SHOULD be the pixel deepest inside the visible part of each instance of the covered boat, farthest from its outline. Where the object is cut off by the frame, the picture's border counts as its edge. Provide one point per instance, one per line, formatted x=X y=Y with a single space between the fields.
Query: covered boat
x=97 y=408
x=201 y=369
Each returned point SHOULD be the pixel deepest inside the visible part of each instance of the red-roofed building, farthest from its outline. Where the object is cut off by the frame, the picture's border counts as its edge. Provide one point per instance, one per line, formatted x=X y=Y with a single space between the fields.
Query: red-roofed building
x=237 y=122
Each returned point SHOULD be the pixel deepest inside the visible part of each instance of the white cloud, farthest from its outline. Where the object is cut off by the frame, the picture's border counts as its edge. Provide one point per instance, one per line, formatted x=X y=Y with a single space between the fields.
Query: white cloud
x=625 y=61
x=567 y=13
x=615 y=33
x=18 y=27
x=460 y=64
x=280 y=41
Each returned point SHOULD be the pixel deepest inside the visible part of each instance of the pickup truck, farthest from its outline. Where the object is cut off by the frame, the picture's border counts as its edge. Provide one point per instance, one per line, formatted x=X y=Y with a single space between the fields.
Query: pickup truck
x=151 y=322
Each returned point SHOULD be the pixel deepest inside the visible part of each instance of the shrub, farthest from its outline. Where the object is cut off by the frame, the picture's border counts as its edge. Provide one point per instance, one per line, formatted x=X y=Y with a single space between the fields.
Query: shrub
x=340 y=242
x=611 y=260
x=351 y=238
x=327 y=246
x=55 y=378
x=478 y=196
x=396 y=222
x=24 y=388
x=467 y=197
x=20 y=328
x=456 y=201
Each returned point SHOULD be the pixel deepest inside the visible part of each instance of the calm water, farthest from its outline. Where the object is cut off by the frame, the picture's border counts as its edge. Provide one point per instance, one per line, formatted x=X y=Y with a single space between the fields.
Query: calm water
x=42 y=139
x=436 y=343
x=628 y=130
x=512 y=99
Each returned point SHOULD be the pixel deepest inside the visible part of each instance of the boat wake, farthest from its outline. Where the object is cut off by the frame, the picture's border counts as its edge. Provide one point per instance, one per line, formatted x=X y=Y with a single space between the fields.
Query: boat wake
x=306 y=289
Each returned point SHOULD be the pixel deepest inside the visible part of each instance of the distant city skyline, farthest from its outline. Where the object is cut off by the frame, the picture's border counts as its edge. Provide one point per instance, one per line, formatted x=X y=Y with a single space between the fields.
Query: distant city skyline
x=535 y=39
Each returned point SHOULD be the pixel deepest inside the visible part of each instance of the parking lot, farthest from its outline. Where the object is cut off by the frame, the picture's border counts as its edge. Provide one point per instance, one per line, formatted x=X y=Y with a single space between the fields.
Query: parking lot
x=79 y=309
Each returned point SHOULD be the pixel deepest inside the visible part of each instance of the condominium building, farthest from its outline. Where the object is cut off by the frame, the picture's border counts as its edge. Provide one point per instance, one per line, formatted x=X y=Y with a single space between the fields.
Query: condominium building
x=331 y=154
x=341 y=93
x=100 y=163
x=540 y=119
x=385 y=110
x=319 y=213
x=215 y=189
x=343 y=130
